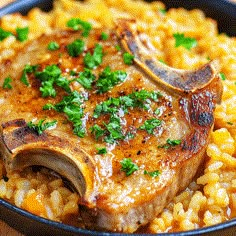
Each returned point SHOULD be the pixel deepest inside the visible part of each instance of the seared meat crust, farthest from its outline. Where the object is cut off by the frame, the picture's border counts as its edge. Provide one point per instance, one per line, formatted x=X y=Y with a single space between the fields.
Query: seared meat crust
x=110 y=199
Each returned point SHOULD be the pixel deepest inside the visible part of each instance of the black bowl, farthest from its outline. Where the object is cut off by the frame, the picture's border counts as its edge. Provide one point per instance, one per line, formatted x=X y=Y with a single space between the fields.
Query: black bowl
x=221 y=10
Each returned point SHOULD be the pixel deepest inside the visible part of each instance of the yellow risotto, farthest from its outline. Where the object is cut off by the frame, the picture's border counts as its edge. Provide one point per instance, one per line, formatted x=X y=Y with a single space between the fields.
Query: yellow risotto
x=211 y=198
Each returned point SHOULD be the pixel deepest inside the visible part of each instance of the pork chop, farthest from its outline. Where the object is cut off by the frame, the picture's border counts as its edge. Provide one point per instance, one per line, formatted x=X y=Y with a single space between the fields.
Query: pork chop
x=128 y=131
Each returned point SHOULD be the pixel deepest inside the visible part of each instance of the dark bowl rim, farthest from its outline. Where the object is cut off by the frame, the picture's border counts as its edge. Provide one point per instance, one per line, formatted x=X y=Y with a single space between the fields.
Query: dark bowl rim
x=27 y=5
x=73 y=229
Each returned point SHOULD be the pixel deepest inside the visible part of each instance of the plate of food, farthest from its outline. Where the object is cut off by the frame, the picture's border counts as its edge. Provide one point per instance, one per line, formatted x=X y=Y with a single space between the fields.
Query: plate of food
x=117 y=117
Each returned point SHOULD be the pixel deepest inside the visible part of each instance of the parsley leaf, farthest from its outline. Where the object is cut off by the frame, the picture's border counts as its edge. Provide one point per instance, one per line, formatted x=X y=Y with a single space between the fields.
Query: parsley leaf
x=47 y=89
x=187 y=42
x=150 y=125
x=128 y=166
x=152 y=173
x=27 y=70
x=157 y=111
x=53 y=46
x=71 y=106
x=163 y=11
x=50 y=72
x=222 y=76
x=22 y=34
x=117 y=47
x=102 y=150
x=128 y=58
x=114 y=130
x=108 y=79
x=97 y=131
x=78 y=24
x=76 y=47
x=86 y=78
x=170 y=142
x=41 y=126
x=7 y=83
x=104 y=36
x=95 y=59
x=4 y=34
x=173 y=142
x=49 y=76
x=162 y=61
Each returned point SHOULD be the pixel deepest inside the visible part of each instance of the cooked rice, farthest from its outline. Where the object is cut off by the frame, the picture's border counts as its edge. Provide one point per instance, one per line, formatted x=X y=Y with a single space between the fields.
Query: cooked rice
x=210 y=199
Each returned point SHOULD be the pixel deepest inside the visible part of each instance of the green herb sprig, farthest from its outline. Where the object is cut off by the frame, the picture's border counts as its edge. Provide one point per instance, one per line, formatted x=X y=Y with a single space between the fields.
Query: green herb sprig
x=71 y=106
x=150 y=124
x=186 y=42
x=76 y=47
x=128 y=166
x=170 y=143
x=27 y=70
x=53 y=46
x=78 y=24
x=22 y=34
x=41 y=126
x=93 y=60
x=112 y=131
x=108 y=79
x=153 y=174
x=7 y=83
x=128 y=58
x=4 y=34
x=50 y=76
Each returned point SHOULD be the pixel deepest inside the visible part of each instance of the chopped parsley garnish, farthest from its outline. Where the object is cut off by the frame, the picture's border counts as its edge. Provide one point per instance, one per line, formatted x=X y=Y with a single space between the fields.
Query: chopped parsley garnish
x=71 y=106
x=86 y=78
x=95 y=59
x=47 y=89
x=152 y=173
x=27 y=70
x=76 y=47
x=41 y=126
x=128 y=166
x=97 y=131
x=22 y=34
x=49 y=76
x=78 y=24
x=163 y=11
x=7 y=83
x=139 y=99
x=104 y=36
x=73 y=73
x=112 y=131
x=4 y=34
x=187 y=42
x=128 y=58
x=173 y=142
x=162 y=61
x=170 y=143
x=108 y=79
x=53 y=46
x=150 y=125
x=117 y=47
x=222 y=76
x=101 y=150
x=157 y=111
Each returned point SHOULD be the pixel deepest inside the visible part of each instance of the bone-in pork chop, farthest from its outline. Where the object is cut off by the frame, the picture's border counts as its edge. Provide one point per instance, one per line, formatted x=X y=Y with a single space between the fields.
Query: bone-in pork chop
x=128 y=131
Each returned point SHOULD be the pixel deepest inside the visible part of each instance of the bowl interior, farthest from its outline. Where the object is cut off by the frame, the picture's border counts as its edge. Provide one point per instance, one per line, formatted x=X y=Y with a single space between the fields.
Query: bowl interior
x=221 y=10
